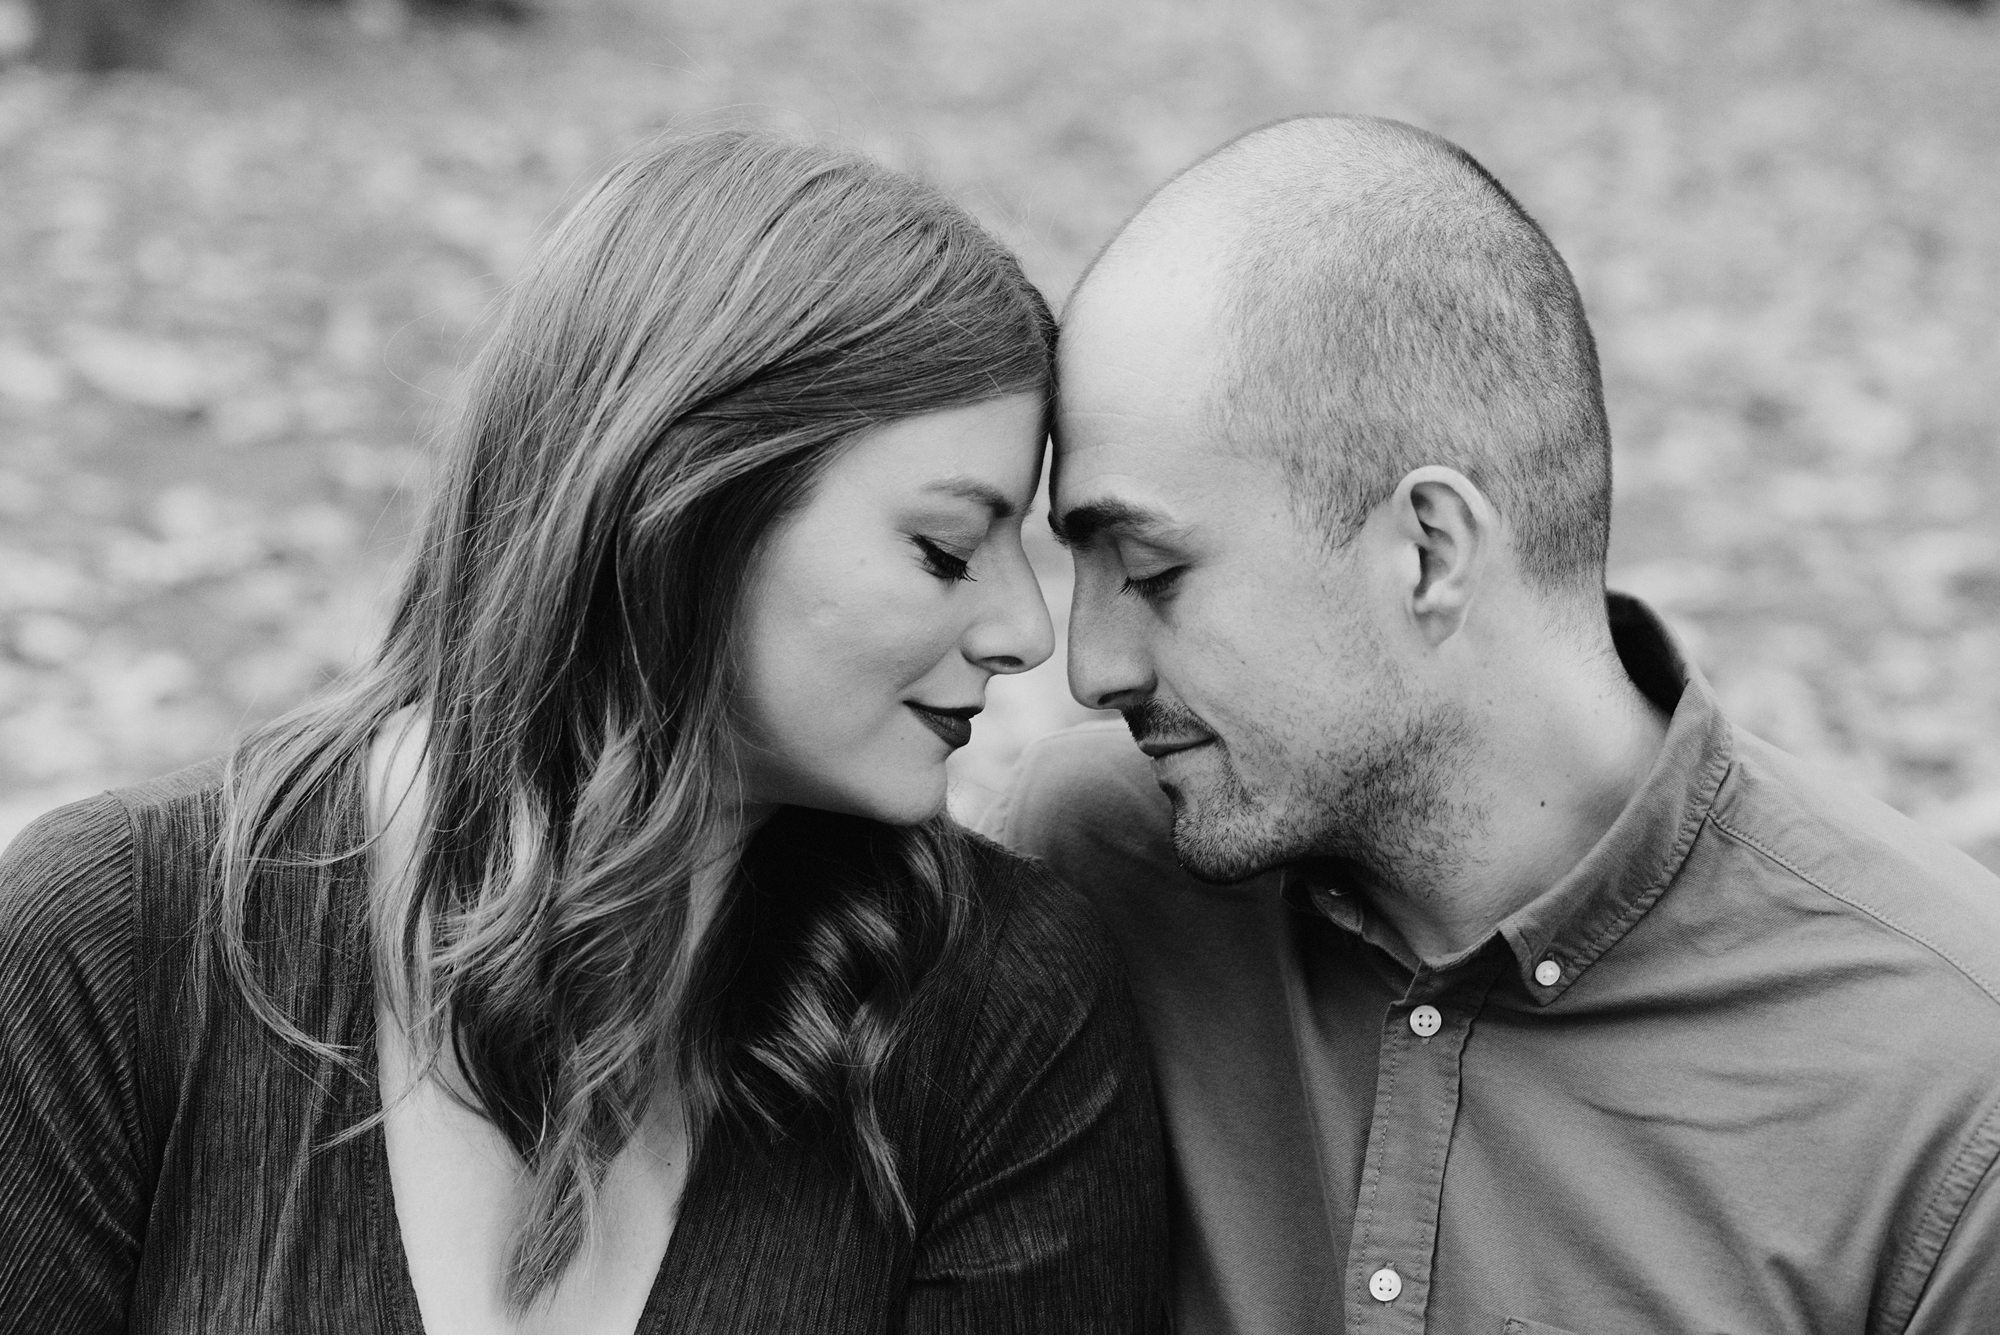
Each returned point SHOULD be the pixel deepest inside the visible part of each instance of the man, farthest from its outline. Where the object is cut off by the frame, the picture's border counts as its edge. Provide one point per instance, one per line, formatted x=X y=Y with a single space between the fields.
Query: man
x=1507 y=987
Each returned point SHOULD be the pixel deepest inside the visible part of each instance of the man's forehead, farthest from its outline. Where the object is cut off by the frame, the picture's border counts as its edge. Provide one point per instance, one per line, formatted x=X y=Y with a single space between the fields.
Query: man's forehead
x=1132 y=375
x=1137 y=360
x=1159 y=479
x=1145 y=304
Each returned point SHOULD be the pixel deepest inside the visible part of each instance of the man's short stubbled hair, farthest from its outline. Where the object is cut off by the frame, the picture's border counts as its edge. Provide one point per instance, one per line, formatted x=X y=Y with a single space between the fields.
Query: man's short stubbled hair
x=1388 y=304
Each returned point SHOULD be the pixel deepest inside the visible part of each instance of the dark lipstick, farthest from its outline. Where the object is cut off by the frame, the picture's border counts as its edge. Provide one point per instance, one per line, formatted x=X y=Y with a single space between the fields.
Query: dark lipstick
x=953 y=726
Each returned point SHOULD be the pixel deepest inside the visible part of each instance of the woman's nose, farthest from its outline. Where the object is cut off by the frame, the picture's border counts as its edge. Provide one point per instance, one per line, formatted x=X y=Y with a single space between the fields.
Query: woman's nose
x=1013 y=632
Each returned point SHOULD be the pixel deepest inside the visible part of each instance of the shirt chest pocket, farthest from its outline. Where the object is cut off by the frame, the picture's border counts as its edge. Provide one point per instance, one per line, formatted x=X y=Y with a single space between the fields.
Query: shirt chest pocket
x=1516 y=1326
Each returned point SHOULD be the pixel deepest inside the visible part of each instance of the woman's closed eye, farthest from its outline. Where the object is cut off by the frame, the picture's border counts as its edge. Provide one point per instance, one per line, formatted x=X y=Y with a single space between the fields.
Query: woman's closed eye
x=942 y=561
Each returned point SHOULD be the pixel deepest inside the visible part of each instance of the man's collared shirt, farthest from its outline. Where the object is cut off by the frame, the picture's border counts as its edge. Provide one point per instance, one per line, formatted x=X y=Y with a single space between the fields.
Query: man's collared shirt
x=1738 y=1071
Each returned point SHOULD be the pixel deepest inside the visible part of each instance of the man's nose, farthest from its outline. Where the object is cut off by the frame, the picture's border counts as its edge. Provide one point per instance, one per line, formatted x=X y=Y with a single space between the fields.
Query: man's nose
x=1109 y=667
x=1013 y=632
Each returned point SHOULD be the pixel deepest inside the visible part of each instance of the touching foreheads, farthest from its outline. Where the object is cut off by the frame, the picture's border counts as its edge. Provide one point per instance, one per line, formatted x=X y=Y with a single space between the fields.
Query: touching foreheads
x=1383 y=303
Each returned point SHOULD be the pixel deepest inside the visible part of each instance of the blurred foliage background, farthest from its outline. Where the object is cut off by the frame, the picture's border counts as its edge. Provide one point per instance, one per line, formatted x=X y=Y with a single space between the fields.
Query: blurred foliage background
x=236 y=289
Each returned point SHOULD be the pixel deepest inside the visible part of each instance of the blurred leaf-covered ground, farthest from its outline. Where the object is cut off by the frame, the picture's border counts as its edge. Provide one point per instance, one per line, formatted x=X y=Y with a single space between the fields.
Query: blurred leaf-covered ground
x=234 y=295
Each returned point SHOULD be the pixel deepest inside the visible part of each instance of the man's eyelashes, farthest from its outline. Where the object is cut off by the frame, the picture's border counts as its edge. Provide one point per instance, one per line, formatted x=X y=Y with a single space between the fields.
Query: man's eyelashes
x=1152 y=587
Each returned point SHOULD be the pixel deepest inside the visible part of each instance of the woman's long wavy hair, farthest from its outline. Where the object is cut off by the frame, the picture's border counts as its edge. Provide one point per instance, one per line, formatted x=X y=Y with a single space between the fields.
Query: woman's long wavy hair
x=693 y=344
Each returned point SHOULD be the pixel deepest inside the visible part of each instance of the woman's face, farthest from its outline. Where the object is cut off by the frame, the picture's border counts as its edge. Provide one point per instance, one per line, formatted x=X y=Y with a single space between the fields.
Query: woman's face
x=878 y=611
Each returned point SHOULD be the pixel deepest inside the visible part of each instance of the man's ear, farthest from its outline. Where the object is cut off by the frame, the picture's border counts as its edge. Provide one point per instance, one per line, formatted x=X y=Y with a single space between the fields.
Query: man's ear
x=1452 y=528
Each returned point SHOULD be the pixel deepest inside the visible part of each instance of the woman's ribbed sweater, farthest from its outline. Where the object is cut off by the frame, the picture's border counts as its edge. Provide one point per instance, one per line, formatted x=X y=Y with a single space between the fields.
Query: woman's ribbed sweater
x=168 y=1165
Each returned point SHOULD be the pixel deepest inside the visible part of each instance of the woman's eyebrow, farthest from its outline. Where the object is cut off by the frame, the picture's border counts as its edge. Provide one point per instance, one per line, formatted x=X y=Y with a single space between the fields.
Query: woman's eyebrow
x=979 y=493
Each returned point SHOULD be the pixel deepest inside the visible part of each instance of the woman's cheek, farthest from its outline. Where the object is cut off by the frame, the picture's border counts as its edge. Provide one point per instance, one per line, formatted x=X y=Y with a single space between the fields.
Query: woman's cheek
x=918 y=629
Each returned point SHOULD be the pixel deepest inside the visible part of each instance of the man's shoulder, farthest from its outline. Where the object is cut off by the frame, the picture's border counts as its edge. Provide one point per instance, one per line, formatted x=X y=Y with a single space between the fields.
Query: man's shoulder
x=1085 y=794
x=1886 y=872
x=1083 y=801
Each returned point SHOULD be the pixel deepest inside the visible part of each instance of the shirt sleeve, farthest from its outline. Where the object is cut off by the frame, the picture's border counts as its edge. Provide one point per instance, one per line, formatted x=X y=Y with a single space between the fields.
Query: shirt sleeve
x=71 y=1200
x=1963 y=1293
x=1056 y=1217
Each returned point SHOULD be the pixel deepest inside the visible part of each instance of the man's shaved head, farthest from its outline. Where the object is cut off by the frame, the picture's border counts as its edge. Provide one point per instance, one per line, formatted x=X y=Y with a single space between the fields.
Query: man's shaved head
x=1380 y=302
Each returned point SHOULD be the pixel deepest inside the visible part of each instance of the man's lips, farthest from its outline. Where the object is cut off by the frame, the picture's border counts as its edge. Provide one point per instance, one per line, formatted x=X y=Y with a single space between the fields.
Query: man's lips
x=953 y=726
x=1155 y=747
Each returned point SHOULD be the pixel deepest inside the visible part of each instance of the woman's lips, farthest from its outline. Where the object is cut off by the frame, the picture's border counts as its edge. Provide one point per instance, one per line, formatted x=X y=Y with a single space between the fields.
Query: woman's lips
x=953 y=726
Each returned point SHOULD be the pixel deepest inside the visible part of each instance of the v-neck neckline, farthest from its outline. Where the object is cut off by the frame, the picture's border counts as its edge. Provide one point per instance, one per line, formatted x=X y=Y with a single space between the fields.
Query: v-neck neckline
x=391 y=1259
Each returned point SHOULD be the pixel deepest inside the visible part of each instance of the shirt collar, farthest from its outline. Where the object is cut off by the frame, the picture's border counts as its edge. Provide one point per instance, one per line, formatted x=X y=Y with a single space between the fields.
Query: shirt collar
x=1598 y=901
x=1559 y=934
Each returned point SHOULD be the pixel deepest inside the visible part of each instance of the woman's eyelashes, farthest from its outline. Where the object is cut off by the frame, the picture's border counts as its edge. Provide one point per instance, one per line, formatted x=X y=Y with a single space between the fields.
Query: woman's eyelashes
x=942 y=561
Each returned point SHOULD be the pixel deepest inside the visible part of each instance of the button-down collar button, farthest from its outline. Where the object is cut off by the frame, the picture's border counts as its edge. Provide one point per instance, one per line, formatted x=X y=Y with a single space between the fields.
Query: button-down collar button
x=1548 y=973
x=1385 y=1285
x=1426 y=1021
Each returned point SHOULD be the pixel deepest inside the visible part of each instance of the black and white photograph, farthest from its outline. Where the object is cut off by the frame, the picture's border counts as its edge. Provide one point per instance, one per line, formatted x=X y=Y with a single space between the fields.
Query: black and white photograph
x=1270 y=667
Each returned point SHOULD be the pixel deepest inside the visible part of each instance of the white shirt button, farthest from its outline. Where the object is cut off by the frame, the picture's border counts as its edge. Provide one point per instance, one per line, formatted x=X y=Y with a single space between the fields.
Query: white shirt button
x=1385 y=1285
x=1426 y=1021
x=1548 y=973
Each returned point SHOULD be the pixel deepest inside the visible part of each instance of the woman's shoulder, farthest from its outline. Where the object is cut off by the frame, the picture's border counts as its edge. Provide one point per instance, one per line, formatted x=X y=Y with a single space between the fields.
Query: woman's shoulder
x=82 y=884
x=177 y=814
x=78 y=835
x=66 y=884
x=99 y=849
x=1035 y=1052
x=85 y=915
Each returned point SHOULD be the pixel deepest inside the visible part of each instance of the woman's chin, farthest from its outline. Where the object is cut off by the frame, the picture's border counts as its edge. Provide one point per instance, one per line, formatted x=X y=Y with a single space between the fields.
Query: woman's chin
x=910 y=808
x=912 y=801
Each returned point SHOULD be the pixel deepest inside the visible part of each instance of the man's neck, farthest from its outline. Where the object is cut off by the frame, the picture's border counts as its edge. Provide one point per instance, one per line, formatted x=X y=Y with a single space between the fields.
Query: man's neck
x=1563 y=755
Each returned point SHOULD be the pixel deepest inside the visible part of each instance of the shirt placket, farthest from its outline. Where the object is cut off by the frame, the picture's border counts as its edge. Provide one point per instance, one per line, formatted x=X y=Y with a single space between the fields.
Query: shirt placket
x=1402 y=1177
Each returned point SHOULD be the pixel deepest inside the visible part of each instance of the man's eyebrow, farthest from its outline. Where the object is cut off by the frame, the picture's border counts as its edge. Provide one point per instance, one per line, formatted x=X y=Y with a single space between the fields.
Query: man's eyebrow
x=1080 y=523
x=979 y=493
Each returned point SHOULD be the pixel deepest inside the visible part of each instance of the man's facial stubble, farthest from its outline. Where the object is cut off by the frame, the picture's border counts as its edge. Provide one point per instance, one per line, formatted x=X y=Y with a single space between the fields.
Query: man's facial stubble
x=1377 y=796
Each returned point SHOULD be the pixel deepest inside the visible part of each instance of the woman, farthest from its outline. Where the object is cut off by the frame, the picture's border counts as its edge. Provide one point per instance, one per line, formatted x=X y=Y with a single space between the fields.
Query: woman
x=598 y=958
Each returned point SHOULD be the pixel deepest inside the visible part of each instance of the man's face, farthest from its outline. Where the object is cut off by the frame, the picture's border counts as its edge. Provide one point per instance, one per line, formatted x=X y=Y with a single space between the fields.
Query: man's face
x=1257 y=668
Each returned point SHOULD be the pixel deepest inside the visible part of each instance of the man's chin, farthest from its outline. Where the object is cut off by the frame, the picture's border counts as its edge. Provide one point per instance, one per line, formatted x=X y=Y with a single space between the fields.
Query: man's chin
x=1217 y=856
